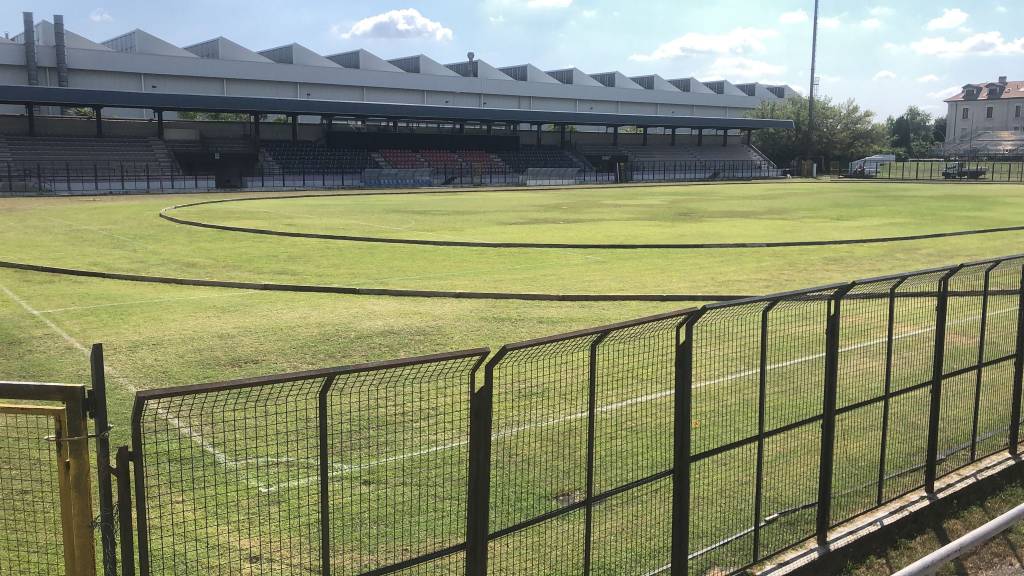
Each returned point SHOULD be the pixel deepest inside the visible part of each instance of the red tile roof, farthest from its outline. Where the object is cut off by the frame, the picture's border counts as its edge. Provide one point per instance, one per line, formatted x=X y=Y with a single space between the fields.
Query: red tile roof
x=1013 y=90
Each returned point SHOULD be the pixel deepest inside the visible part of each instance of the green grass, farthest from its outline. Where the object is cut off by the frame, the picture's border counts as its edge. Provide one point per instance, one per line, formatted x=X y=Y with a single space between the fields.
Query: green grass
x=158 y=336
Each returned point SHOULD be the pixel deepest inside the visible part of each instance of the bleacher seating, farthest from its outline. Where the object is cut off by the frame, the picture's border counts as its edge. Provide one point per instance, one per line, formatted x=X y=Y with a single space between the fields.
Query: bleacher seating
x=312 y=157
x=296 y=157
x=711 y=151
x=525 y=158
x=46 y=152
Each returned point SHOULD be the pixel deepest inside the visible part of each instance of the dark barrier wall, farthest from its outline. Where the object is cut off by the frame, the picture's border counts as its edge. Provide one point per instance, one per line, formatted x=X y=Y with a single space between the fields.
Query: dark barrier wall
x=684 y=443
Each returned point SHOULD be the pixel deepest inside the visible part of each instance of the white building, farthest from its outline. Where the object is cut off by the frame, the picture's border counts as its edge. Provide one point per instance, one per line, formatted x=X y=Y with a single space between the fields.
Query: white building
x=986 y=117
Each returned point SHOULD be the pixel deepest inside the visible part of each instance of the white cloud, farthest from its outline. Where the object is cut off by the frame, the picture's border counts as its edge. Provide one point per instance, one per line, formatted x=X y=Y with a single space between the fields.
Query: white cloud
x=589 y=14
x=871 y=23
x=881 y=11
x=983 y=43
x=1001 y=9
x=100 y=15
x=945 y=93
x=884 y=75
x=829 y=23
x=544 y=4
x=499 y=19
x=927 y=78
x=794 y=17
x=950 y=19
x=404 y=23
x=737 y=41
x=741 y=69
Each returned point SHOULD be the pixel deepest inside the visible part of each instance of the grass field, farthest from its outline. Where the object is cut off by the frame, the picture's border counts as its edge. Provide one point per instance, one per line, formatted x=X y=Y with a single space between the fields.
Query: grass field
x=158 y=336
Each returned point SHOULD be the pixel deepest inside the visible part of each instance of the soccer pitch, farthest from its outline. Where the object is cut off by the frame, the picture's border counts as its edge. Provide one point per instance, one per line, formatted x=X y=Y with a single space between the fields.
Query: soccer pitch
x=158 y=335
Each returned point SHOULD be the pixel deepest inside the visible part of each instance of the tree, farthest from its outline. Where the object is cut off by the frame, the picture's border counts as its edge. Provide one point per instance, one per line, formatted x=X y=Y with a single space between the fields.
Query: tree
x=842 y=133
x=912 y=134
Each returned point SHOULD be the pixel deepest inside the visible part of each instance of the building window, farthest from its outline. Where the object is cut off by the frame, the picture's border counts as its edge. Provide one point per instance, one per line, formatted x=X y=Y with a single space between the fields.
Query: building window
x=988 y=111
x=965 y=114
x=1016 y=113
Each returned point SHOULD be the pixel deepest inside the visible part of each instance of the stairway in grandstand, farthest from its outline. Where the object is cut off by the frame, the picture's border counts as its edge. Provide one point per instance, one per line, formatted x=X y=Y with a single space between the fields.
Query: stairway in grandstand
x=28 y=152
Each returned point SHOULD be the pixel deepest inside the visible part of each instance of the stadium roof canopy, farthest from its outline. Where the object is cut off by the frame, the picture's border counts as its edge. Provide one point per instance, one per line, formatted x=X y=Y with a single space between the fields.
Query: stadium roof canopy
x=78 y=97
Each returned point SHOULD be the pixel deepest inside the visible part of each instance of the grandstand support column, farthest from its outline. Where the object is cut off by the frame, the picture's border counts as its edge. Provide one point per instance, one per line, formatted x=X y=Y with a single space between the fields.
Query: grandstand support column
x=725 y=137
x=645 y=135
x=490 y=128
x=394 y=126
x=561 y=135
x=30 y=112
x=539 y=128
x=700 y=137
x=159 y=124
x=99 y=121
x=615 y=136
x=295 y=127
x=750 y=137
x=673 y=136
x=256 y=127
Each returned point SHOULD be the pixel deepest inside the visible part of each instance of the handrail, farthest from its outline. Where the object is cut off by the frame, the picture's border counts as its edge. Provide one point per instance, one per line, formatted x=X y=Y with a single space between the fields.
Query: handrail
x=931 y=563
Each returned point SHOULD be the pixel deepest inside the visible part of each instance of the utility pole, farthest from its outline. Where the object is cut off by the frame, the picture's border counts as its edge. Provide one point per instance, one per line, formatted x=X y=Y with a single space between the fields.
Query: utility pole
x=810 y=101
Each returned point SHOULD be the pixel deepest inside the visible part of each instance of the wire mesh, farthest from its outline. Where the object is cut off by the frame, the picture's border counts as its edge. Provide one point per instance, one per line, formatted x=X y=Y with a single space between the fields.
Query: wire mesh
x=398 y=441
x=231 y=480
x=580 y=432
x=31 y=542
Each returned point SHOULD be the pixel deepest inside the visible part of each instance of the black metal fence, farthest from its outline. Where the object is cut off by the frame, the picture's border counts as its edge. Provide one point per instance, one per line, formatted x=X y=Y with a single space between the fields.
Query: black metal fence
x=98 y=177
x=990 y=170
x=116 y=177
x=693 y=441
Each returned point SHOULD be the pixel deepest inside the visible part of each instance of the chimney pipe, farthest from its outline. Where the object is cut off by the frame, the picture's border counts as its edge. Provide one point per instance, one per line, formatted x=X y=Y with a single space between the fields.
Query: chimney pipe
x=62 y=50
x=30 y=49
x=1002 y=79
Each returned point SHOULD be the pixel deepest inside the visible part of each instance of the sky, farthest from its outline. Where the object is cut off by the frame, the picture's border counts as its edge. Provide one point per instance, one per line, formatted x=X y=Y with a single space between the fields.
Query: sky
x=886 y=55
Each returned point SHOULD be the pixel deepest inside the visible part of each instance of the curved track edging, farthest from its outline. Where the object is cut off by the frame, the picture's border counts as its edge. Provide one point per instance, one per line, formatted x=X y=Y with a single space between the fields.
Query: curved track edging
x=539 y=245
x=390 y=292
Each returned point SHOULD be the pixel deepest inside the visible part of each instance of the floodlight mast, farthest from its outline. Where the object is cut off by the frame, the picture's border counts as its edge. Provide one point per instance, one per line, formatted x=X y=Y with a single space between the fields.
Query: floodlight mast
x=810 y=100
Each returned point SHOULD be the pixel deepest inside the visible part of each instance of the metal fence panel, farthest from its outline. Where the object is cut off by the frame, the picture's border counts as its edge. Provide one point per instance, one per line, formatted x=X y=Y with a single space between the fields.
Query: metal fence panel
x=31 y=539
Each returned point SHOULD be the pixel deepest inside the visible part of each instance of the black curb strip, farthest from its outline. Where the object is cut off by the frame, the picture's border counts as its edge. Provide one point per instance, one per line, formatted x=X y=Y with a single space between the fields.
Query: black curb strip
x=400 y=293
x=476 y=244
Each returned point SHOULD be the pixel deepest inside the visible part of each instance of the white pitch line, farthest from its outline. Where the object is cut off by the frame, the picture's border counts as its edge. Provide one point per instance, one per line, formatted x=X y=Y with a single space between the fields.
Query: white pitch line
x=342 y=468
x=184 y=429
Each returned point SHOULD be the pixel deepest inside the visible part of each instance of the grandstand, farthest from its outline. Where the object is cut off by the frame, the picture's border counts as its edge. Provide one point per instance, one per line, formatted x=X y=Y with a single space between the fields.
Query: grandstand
x=233 y=113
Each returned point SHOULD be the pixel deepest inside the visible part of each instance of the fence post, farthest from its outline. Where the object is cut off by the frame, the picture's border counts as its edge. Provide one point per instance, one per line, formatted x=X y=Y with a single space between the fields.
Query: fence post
x=982 y=329
x=588 y=519
x=67 y=175
x=478 y=509
x=938 y=364
x=103 y=477
x=10 y=179
x=124 y=510
x=761 y=398
x=1018 y=372
x=325 y=477
x=828 y=423
x=141 y=520
x=890 y=340
x=682 y=440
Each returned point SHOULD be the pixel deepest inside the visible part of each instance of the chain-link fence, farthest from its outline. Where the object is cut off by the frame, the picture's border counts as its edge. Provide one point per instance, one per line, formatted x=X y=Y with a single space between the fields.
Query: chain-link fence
x=689 y=442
